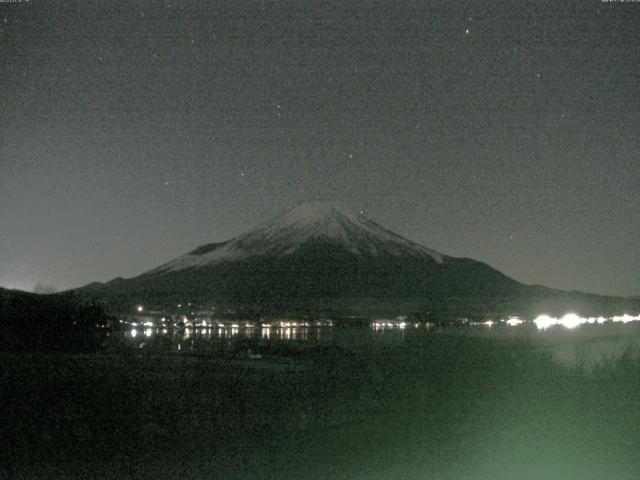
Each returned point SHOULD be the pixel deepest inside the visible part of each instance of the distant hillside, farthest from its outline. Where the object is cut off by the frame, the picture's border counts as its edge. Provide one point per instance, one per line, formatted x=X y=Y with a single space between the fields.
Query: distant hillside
x=30 y=321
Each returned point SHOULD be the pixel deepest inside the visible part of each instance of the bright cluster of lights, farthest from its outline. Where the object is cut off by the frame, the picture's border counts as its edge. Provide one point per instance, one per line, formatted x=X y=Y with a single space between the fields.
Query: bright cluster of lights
x=513 y=321
x=402 y=324
x=626 y=318
x=289 y=324
x=571 y=320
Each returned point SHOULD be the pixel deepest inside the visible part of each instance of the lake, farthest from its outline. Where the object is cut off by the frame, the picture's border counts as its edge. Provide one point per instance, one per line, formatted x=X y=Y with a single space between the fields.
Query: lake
x=584 y=345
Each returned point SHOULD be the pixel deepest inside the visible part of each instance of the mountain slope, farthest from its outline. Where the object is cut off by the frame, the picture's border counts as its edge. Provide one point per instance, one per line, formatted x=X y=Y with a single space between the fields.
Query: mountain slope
x=321 y=256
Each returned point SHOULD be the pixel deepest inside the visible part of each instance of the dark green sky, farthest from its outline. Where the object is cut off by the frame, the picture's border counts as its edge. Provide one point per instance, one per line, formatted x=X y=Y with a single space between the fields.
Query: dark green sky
x=131 y=132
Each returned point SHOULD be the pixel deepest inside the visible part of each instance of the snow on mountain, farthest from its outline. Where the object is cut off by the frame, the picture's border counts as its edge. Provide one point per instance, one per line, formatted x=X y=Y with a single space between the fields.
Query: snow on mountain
x=309 y=222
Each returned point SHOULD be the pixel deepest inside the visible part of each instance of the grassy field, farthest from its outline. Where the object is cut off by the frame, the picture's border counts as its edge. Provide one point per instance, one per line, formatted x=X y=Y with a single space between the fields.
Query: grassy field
x=433 y=407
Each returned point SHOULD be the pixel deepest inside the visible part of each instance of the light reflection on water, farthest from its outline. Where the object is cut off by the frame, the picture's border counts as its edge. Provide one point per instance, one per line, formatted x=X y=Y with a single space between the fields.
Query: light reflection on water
x=571 y=341
x=294 y=334
x=301 y=332
x=233 y=335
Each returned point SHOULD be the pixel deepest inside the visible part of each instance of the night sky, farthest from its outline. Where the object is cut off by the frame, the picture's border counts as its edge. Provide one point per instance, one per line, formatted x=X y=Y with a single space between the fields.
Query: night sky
x=508 y=132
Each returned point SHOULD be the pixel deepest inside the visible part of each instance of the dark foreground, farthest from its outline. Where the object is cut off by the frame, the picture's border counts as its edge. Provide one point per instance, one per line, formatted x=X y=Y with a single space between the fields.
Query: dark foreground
x=434 y=407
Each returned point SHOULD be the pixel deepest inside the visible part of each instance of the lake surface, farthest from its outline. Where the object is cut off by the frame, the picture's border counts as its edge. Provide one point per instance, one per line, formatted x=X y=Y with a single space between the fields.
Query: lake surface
x=583 y=346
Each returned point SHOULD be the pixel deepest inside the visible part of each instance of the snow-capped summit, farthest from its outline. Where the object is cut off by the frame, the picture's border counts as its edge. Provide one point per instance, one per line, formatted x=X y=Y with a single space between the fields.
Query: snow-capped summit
x=309 y=222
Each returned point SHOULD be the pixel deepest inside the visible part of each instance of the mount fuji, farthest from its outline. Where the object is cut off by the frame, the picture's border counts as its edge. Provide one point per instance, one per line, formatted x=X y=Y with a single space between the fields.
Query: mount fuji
x=321 y=258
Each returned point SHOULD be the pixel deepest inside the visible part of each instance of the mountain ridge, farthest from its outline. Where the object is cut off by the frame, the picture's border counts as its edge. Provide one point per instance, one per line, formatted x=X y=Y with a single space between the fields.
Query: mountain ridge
x=321 y=256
